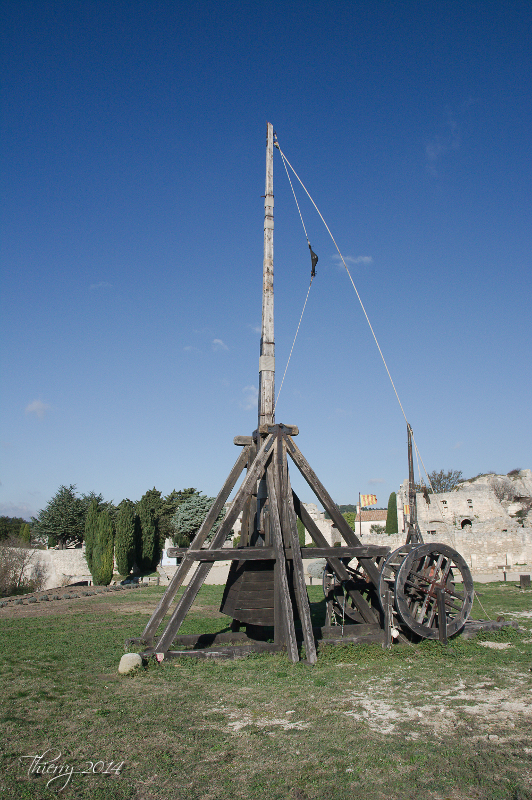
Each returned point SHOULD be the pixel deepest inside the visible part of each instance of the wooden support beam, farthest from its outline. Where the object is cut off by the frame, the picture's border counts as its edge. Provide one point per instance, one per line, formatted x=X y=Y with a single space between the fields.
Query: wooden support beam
x=364 y=551
x=388 y=620
x=236 y=651
x=282 y=591
x=289 y=523
x=232 y=554
x=337 y=566
x=243 y=441
x=205 y=528
x=442 y=616
x=329 y=505
x=189 y=595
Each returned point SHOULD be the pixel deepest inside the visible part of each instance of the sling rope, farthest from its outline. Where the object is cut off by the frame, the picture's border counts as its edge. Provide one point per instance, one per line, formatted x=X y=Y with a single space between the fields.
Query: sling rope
x=314 y=261
x=350 y=278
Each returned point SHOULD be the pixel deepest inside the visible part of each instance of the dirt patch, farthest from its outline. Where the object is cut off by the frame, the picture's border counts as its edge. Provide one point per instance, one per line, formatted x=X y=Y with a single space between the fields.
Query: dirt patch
x=386 y=712
x=496 y=645
x=35 y=606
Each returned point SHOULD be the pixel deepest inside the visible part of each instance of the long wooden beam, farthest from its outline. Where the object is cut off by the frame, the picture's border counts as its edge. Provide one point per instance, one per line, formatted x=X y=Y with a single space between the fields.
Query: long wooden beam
x=337 y=566
x=330 y=506
x=289 y=524
x=182 y=571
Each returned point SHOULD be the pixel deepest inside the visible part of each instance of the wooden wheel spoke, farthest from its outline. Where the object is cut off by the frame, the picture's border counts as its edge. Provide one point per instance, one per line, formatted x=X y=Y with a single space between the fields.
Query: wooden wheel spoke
x=425 y=572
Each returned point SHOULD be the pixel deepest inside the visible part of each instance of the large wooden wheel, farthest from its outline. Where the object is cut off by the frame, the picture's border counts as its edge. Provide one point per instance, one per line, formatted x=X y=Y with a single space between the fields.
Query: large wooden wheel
x=426 y=570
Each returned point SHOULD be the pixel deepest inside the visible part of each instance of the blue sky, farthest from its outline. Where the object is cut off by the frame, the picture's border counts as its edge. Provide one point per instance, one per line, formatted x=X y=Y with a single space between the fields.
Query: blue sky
x=133 y=168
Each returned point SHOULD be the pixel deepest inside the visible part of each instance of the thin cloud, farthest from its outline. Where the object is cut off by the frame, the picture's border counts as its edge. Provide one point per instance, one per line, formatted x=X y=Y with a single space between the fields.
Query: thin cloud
x=255 y=328
x=374 y=481
x=101 y=285
x=457 y=446
x=442 y=144
x=353 y=260
x=38 y=408
x=189 y=348
x=217 y=344
x=250 y=399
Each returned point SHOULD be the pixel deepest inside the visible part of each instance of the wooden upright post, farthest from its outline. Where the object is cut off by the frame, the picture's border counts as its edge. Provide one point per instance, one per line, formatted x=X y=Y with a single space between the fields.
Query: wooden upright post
x=267 y=342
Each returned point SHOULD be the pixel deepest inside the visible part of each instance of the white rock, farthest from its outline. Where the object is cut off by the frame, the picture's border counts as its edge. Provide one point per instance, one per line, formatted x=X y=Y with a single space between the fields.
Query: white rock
x=129 y=662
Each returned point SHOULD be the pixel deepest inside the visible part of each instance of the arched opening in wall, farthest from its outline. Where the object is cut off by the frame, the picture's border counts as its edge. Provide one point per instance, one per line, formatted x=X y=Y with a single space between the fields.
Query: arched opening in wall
x=466 y=524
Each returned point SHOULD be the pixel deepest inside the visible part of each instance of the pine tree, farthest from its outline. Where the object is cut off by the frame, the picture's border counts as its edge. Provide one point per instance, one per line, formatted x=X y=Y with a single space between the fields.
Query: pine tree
x=103 y=551
x=190 y=516
x=63 y=519
x=391 y=517
x=127 y=530
x=91 y=531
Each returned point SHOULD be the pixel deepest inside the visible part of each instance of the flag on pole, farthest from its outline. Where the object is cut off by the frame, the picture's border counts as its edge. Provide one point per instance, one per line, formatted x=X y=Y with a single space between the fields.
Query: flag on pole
x=406 y=509
x=367 y=500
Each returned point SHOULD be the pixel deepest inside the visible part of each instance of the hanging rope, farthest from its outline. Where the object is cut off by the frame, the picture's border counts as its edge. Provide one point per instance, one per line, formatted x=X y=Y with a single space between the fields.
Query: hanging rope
x=314 y=261
x=350 y=277
x=293 y=343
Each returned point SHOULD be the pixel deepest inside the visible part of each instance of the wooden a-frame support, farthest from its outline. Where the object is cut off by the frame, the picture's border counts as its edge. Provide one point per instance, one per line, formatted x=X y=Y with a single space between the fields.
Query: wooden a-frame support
x=279 y=543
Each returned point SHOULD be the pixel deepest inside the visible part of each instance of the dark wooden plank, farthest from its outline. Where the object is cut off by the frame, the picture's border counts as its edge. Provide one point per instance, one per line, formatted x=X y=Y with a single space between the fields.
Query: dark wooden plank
x=349 y=638
x=207 y=639
x=242 y=441
x=189 y=595
x=183 y=569
x=237 y=651
x=442 y=616
x=366 y=551
x=232 y=554
x=282 y=589
x=388 y=620
x=327 y=502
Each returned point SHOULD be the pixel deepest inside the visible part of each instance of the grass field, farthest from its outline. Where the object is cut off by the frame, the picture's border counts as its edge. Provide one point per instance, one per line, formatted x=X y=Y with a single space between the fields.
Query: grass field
x=415 y=722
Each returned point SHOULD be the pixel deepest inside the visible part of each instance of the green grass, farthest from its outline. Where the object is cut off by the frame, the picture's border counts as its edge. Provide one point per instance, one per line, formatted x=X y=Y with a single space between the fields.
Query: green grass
x=363 y=723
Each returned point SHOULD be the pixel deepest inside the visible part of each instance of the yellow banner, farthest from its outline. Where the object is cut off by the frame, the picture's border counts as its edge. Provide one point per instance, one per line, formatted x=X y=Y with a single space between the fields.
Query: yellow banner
x=367 y=500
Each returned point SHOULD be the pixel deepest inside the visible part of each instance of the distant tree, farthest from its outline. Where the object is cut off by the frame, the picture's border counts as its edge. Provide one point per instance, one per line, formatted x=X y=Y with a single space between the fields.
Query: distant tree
x=375 y=528
x=25 y=533
x=301 y=532
x=63 y=519
x=91 y=531
x=350 y=518
x=442 y=481
x=168 y=509
x=103 y=550
x=391 y=517
x=189 y=517
x=127 y=534
x=150 y=547
x=10 y=527
x=21 y=570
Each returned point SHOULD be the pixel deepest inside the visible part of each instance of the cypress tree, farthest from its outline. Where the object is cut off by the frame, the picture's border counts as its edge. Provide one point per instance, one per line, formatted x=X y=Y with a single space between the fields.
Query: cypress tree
x=25 y=533
x=391 y=517
x=126 y=528
x=91 y=531
x=103 y=551
x=147 y=552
